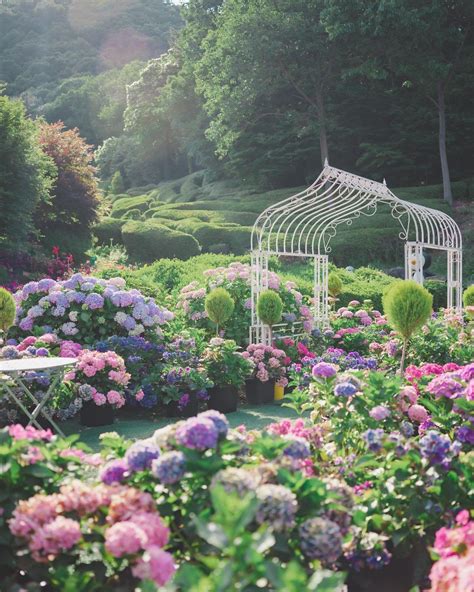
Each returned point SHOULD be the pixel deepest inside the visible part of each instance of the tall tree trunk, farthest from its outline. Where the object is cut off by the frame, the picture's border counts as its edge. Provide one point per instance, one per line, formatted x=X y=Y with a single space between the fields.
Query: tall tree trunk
x=323 y=138
x=447 y=193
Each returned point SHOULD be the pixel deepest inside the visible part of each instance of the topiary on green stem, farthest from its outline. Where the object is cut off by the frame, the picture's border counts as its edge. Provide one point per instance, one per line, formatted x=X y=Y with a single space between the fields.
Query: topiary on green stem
x=334 y=284
x=407 y=306
x=219 y=306
x=269 y=308
x=468 y=296
x=7 y=310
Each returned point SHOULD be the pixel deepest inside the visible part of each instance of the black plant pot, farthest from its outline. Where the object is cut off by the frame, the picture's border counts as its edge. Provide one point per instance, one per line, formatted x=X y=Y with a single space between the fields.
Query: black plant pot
x=191 y=409
x=260 y=393
x=223 y=399
x=93 y=415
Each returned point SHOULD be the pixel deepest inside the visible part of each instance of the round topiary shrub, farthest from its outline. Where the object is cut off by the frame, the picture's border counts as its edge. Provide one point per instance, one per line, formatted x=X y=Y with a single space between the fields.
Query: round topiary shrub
x=219 y=307
x=7 y=310
x=107 y=230
x=269 y=308
x=334 y=284
x=407 y=306
x=468 y=296
x=147 y=241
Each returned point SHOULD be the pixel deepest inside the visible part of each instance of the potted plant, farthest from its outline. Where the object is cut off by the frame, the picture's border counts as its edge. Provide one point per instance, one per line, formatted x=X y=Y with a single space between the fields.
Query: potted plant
x=269 y=309
x=100 y=379
x=228 y=369
x=268 y=370
x=182 y=389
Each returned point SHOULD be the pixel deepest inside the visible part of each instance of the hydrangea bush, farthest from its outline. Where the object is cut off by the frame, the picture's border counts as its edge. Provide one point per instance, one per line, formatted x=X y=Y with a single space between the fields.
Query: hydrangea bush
x=268 y=362
x=86 y=309
x=236 y=280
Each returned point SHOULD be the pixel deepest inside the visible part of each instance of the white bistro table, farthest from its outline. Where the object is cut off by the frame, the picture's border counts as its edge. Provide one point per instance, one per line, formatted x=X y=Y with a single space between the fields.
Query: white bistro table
x=12 y=377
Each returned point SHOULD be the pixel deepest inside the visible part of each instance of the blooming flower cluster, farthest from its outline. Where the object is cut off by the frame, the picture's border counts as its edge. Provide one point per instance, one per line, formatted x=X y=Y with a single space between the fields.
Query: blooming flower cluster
x=236 y=280
x=52 y=526
x=454 y=571
x=86 y=308
x=100 y=377
x=269 y=363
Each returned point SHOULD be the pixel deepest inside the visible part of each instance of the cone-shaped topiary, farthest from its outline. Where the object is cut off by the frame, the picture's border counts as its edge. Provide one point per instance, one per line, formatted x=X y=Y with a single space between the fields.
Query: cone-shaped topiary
x=407 y=306
x=334 y=284
x=269 y=308
x=7 y=310
x=219 y=306
x=468 y=296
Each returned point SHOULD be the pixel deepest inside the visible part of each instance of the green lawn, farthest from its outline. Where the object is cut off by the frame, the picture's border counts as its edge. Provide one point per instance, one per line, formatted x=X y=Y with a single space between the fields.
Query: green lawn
x=253 y=417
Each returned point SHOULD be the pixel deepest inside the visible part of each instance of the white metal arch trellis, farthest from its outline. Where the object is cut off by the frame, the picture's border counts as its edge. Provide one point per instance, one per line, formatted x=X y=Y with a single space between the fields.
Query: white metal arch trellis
x=304 y=224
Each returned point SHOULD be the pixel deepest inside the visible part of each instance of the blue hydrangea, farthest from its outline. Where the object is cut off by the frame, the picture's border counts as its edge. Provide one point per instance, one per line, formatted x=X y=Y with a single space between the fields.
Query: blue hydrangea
x=373 y=439
x=345 y=389
x=140 y=455
x=297 y=448
x=219 y=420
x=170 y=467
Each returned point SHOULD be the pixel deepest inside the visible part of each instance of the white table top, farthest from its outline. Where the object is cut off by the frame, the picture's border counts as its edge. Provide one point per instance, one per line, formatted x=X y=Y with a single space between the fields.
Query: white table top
x=34 y=364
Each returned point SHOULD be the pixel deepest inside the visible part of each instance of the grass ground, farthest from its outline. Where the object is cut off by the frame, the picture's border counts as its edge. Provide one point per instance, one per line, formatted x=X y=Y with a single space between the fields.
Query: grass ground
x=253 y=417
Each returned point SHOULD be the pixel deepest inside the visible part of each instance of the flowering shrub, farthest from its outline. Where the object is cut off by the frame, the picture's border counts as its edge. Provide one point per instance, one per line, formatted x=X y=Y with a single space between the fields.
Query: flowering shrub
x=33 y=460
x=454 y=551
x=87 y=309
x=189 y=460
x=225 y=365
x=100 y=377
x=126 y=527
x=236 y=280
x=268 y=362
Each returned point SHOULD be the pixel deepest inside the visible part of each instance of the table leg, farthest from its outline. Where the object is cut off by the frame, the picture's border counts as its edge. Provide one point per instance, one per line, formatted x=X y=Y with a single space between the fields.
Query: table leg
x=12 y=395
x=55 y=379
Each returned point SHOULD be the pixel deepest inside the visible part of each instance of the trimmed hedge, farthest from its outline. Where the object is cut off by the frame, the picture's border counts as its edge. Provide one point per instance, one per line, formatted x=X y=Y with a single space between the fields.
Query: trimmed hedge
x=124 y=204
x=108 y=229
x=150 y=240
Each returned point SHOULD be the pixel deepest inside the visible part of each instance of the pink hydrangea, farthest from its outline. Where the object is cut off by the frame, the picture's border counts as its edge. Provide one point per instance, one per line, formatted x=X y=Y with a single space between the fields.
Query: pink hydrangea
x=418 y=413
x=115 y=398
x=99 y=399
x=156 y=565
x=156 y=531
x=59 y=535
x=125 y=538
x=19 y=432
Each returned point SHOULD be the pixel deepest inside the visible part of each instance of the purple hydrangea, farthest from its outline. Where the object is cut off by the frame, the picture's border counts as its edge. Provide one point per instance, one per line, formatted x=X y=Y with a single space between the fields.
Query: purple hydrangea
x=324 y=370
x=94 y=301
x=277 y=506
x=46 y=284
x=219 y=420
x=373 y=439
x=345 y=389
x=199 y=433
x=465 y=434
x=437 y=448
x=42 y=352
x=140 y=455
x=297 y=448
x=407 y=429
x=444 y=386
x=114 y=472
x=321 y=539
x=170 y=467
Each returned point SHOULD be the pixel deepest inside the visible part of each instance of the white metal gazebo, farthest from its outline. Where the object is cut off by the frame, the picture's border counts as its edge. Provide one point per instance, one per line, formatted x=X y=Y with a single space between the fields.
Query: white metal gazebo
x=304 y=224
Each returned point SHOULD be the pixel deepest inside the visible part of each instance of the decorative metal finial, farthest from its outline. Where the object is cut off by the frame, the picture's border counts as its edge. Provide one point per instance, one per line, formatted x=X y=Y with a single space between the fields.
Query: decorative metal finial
x=384 y=182
x=326 y=163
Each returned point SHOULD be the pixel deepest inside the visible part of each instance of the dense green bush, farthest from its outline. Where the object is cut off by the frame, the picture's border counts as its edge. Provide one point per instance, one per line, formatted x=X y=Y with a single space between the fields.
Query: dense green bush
x=133 y=214
x=468 y=296
x=124 y=204
x=239 y=239
x=438 y=289
x=108 y=229
x=8 y=310
x=149 y=240
x=243 y=218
